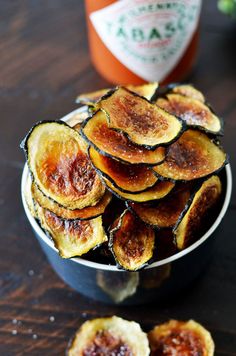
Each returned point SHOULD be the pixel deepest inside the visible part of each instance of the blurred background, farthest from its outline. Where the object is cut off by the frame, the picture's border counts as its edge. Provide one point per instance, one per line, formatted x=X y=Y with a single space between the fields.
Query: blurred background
x=45 y=64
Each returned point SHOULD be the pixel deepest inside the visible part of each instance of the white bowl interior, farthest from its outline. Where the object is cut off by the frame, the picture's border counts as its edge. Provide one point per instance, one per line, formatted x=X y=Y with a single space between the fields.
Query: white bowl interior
x=101 y=266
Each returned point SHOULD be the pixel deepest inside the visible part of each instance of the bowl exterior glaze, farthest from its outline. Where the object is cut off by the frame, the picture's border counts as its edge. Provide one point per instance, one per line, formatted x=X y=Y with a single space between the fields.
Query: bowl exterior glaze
x=132 y=288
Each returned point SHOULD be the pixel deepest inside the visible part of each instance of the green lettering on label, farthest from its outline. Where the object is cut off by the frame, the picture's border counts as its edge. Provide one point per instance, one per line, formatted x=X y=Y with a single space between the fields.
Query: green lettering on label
x=137 y=34
x=169 y=29
x=154 y=33
x=182 y=23
x=121 y=33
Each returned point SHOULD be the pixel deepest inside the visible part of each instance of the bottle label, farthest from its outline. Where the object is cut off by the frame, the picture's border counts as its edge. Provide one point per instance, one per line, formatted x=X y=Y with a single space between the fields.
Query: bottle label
x=149 y=37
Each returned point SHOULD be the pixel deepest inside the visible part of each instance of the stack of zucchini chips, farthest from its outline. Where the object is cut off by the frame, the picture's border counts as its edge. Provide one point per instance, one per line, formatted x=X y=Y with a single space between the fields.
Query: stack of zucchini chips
x=137 y=179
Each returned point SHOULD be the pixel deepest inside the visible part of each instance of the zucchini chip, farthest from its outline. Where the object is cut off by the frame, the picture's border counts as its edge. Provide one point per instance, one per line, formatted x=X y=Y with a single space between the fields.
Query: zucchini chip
x=131 y=242
x=189 y=91
x=145 y=90
x=72 y=237
x=115 y=144
x=163 y=213
x=192 y=111
x=158 y=191
x=193 y=156
x=126 y=177
x=57 y=158
x=28 y=197
x=109 y=336
x=81 y=214
x=179 y=338
x=192 y=218
x=144 y=123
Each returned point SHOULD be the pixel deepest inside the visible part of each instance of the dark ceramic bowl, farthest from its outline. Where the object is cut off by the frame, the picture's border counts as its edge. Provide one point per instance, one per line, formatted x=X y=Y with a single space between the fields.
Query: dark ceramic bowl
x=159 y=280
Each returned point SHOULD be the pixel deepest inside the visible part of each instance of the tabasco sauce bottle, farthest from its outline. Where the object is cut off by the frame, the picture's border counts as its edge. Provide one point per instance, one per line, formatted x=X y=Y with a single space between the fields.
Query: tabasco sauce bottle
x=134 y=41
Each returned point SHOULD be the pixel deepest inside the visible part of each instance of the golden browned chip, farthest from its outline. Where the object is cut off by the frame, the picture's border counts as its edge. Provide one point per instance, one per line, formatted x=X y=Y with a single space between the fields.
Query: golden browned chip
x=179 y=338
x=189 y=91
x=204 y=199
x=163 y=213
x=126 y=177
x=145 y=123
x=146 y=90
x=164 y=104
x=131 y=242
x=81 y=214
x=193 y=156
x=158 y=191
x=28 y=196
x=115 y=144
x=192 y=111
x=58 y=160
x=109 y=336
x=72 y=237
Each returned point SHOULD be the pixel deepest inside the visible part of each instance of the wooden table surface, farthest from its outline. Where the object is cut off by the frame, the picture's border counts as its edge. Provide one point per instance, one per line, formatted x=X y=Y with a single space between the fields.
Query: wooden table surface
x=44 y=64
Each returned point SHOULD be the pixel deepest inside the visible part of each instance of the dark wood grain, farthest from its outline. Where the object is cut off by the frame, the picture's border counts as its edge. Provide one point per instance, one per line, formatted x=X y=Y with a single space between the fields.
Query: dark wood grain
x=44 y=64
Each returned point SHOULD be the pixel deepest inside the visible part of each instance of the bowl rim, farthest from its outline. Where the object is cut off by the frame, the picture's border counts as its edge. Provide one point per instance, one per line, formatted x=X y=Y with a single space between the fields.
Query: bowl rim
x=113 y=268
